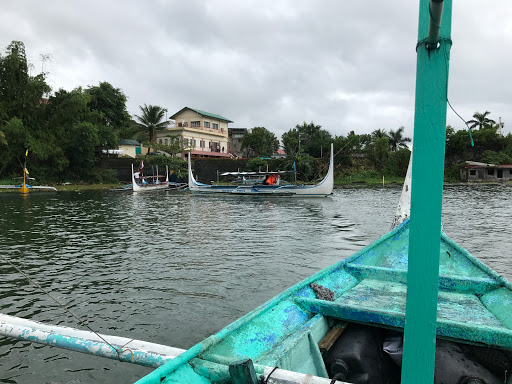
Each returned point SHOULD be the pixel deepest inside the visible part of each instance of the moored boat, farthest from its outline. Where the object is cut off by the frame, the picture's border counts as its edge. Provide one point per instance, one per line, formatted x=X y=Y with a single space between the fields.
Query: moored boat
x=322 y=189
x=151 y=183
x=25 y=187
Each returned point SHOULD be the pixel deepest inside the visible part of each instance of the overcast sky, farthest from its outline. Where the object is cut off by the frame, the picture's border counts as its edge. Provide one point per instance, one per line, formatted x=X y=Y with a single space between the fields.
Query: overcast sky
x=346 y=65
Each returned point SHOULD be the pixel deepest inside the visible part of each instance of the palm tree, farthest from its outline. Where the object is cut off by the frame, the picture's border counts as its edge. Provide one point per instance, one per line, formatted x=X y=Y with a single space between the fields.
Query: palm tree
x=151 y=120
x=397 y=140
x=379 y=133
x=481 y=121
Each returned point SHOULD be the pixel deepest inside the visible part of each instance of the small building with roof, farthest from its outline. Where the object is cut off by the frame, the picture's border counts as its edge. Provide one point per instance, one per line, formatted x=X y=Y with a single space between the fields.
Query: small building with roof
x=130 y=148
x=203 y=134
x=475 y=171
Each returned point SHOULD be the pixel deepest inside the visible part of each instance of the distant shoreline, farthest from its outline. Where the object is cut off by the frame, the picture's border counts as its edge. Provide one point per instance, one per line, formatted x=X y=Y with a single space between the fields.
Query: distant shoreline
x=369 y=184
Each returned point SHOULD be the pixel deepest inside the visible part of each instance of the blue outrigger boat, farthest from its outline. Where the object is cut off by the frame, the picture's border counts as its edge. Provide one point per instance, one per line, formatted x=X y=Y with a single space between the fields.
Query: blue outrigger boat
x=413 y=307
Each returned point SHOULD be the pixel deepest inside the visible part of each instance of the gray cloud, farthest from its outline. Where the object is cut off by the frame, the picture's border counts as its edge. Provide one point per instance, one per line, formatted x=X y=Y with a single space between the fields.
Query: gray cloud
x=344 y=65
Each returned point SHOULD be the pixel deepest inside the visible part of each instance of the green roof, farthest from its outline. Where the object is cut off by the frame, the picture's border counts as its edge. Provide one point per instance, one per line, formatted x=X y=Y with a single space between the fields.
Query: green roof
x=127 y=142
x=203 y=113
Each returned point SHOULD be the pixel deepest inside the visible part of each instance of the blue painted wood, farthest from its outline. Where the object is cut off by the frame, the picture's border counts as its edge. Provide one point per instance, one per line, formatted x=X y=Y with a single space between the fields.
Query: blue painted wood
x=426 y=196
x=242 y=372
x=369 y=287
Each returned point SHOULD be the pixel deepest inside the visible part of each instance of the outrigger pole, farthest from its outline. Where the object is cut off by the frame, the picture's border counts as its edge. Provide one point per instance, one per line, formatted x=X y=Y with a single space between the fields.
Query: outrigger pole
x=112 y=347
x=24 y=188
x=433 y=52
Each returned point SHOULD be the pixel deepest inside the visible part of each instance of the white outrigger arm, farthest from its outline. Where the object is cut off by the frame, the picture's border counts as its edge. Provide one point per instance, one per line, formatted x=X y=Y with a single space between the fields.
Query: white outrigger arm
x=122 y=348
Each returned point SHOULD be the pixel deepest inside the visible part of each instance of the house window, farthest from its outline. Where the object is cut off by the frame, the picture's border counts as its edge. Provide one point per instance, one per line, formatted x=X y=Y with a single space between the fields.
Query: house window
x=472 y=172
x=490 y=171
x=185 y=142
x=215 y=126
x=194 y=143
x=207 y=124
x=160 y=141
x=195 y=124
x=183 y=124
x=166 y=141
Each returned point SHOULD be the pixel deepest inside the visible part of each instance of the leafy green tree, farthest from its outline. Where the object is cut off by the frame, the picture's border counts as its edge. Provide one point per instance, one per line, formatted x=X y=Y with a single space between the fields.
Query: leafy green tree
x=398 y=162
x=379 y=134
x=305 y=165
x=112 y=118
x=492 y=157
x=82 y=143
x=397 y=140
x=312 y=138
x=151 y=120
x=110 y=102
x=290 y=140
x=11 y=156
x=20 y=93
x=381 y=152
x=172 y=148
x=260 y=142
x=458 y=146
x=256 y=164
x=344 y=147
x=481 y=120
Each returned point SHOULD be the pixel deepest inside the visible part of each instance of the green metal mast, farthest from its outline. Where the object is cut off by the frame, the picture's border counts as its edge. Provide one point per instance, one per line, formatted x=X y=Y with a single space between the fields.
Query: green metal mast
x=433 y=52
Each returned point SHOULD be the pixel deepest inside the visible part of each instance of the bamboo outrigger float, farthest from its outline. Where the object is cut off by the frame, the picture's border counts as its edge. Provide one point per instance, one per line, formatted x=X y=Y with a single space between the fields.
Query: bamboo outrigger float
x=414 y=286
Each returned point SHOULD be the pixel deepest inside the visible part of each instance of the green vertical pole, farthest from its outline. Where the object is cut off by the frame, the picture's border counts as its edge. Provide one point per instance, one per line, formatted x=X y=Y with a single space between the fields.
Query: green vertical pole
x=426 y=199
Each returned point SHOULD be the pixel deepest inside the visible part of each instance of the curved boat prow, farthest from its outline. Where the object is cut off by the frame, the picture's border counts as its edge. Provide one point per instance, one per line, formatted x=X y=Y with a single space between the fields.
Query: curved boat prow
x=403 y=210
x=192 y=183
x=133 y=177
x=325 y=187
x=329 y=178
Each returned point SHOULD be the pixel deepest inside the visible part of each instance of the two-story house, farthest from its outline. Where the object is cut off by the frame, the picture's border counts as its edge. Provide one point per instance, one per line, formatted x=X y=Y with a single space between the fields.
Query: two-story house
x=203 y=134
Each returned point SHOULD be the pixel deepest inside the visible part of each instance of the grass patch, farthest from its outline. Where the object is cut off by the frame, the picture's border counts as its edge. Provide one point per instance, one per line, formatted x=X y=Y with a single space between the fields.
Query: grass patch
x=367 y=178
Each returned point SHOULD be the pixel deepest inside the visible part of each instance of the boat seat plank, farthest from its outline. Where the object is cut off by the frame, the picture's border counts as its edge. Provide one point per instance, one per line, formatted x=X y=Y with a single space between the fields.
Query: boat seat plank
x=457 y=313
x=477 y=285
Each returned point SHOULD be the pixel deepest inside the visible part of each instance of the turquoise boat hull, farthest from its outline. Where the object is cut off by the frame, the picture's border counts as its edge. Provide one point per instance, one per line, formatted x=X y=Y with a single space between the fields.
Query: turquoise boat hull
x=474 y=307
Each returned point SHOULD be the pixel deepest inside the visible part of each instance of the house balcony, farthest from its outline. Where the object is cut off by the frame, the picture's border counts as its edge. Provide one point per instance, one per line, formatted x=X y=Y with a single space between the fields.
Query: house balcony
x=187 y=127
x=207 y=152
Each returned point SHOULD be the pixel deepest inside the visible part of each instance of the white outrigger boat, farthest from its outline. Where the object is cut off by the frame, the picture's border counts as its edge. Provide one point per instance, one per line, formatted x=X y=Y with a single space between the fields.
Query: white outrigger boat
x=150 y=183
x=322 y=189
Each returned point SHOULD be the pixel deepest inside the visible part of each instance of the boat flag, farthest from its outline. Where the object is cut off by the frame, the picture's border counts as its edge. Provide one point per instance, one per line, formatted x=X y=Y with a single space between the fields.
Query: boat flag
x=141 y=164
x=26 y=153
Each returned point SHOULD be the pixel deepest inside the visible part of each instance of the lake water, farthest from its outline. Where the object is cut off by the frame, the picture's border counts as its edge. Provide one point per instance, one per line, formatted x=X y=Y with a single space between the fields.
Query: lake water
x=172 y=268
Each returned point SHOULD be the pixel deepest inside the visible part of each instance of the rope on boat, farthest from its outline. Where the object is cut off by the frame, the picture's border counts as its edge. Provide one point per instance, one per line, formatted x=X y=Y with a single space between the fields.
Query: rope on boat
x=270 y=374
x=119 y=351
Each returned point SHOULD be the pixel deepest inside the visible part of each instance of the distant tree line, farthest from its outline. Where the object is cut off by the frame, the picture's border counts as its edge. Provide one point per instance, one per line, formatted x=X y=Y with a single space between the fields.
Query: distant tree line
x=307 y=147
x=64 y=132
x=380 y=152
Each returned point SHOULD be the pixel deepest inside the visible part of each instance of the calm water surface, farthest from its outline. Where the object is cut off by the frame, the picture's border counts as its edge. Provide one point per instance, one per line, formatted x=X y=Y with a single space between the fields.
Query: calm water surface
x=173 y=268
